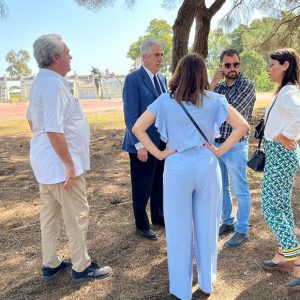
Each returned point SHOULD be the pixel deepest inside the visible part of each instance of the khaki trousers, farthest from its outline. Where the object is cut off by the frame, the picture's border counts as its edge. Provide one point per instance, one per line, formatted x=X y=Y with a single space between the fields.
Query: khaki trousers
x=74 y=208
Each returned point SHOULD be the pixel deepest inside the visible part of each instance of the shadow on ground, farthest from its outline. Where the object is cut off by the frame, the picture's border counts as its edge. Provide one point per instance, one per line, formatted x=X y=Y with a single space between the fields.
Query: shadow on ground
x=139 y=266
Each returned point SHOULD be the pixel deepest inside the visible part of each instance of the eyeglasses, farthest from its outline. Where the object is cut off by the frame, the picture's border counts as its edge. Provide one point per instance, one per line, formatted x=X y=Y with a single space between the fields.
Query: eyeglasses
x=235 y=65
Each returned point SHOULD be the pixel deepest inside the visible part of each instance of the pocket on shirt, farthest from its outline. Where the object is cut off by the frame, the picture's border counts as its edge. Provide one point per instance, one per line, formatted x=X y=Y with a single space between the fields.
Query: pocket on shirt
x=75 y=111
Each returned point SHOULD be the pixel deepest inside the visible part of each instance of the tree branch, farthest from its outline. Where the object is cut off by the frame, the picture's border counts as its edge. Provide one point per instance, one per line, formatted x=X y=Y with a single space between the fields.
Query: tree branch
x=215 y=7
x=3 y=10
x=294 y=19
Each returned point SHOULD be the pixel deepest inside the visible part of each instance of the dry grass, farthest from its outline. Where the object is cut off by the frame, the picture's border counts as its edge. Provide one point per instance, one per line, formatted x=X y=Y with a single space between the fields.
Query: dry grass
x=139 y=266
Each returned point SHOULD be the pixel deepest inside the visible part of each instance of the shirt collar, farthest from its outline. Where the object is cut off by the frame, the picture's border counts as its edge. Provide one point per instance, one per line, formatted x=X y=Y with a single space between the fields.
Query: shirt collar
x=48 y=72
x=149 y=72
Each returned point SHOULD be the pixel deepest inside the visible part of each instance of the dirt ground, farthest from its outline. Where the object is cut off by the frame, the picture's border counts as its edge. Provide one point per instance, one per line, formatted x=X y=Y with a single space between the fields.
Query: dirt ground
x=17 y=110
x=139 y=266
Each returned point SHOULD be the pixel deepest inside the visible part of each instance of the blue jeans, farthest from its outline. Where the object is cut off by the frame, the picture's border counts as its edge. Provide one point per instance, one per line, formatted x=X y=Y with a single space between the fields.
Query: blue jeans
x=234 y=170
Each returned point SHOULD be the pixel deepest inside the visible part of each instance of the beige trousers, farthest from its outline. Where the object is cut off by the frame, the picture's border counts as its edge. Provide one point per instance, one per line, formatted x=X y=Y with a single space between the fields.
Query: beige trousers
x=74 y=208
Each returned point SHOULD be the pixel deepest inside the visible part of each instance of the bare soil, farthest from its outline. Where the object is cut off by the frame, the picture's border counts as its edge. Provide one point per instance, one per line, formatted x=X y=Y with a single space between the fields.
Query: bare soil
x=139 y=266
x=10 y=110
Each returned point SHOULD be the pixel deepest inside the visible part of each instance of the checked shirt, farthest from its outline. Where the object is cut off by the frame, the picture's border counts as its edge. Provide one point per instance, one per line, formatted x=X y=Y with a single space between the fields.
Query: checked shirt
x=241 y=95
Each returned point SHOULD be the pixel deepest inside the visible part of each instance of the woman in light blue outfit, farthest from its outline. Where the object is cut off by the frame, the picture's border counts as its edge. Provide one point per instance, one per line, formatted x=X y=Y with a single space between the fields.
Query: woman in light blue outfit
x=192 y=178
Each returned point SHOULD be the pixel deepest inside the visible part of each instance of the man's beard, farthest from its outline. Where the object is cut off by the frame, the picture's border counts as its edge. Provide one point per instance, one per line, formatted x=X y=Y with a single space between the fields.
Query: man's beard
x=232 y=75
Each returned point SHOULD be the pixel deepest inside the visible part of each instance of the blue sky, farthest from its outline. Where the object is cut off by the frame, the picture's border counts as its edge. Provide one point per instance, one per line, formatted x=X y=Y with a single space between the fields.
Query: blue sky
x=99 y=39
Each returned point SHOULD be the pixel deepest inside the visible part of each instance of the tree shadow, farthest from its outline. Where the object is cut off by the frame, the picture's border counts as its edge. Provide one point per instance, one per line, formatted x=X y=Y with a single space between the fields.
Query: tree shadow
x=272 y=287
x=139 y=266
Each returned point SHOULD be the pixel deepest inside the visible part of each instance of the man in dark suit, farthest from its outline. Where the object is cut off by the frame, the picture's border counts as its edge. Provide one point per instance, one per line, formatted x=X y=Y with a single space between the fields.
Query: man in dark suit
x=141 y=88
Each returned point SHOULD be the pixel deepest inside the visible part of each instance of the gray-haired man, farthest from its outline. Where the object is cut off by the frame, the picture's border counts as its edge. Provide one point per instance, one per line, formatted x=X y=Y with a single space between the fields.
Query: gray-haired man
x=59 y=155
x=141 y=88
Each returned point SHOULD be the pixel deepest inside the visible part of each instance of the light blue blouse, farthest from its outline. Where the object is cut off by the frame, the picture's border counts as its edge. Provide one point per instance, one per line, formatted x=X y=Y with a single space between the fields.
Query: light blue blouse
x=178 y=131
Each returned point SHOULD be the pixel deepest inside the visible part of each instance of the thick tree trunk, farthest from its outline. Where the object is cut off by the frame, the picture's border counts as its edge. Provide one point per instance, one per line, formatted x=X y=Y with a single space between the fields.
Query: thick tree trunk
x=203 y=20
x=190 y=10
x=201 y=34
x=182 y=29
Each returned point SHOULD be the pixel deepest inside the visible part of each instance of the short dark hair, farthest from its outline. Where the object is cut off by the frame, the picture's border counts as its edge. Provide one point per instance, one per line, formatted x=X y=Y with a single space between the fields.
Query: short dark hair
x=292 y=74
x=229 y=52
x=189 y=80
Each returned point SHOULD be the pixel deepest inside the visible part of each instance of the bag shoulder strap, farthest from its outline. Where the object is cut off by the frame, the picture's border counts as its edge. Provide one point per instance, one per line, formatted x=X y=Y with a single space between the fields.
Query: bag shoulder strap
x=265 y=123
x=193 y=121
x=270 y=110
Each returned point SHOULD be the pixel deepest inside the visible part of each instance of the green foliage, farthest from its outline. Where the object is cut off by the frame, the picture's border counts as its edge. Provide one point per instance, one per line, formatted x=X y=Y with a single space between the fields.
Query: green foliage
x=254 y=43
x=217 y=42
x=18 y=63
x=14 y=87
x=160 y=30
x=284 y=28
x=236 y=38
x=260 y=36
x=263 y=83
x=252 y=64
x=134 y=48
x=14 y=97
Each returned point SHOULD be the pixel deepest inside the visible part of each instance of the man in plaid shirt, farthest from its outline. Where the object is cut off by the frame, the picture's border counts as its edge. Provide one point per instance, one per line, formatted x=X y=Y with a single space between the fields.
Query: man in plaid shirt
x=240 y=93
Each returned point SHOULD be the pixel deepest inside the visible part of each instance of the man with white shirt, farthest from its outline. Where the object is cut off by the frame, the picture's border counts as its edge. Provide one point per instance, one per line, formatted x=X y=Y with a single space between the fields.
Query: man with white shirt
x=59 y=155
x=141 y=88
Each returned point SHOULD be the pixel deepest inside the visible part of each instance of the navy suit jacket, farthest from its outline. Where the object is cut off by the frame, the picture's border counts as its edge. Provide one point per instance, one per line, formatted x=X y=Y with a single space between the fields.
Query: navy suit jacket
x=138 y=93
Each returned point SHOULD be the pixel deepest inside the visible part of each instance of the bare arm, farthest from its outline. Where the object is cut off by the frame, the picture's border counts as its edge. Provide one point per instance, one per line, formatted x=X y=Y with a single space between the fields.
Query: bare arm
x=139 y=129
x=239 y=128
x=60 y=146
x=287 y=143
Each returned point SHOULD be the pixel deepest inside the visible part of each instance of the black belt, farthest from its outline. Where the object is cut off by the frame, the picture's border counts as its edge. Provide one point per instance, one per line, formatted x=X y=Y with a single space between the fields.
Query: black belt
x=220 y=140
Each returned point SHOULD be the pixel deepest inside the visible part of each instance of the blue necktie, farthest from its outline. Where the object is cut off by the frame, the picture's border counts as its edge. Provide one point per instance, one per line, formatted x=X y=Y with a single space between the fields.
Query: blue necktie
x=158 y=89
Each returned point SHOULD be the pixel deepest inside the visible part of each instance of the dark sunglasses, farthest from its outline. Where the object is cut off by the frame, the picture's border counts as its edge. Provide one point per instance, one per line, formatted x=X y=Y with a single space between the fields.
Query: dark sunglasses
x=235 y=65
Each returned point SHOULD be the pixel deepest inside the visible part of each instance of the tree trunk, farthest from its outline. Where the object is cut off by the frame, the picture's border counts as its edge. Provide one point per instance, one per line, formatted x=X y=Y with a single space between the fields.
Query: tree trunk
x=190 y=10
x=201 y=33
x=181 y=30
